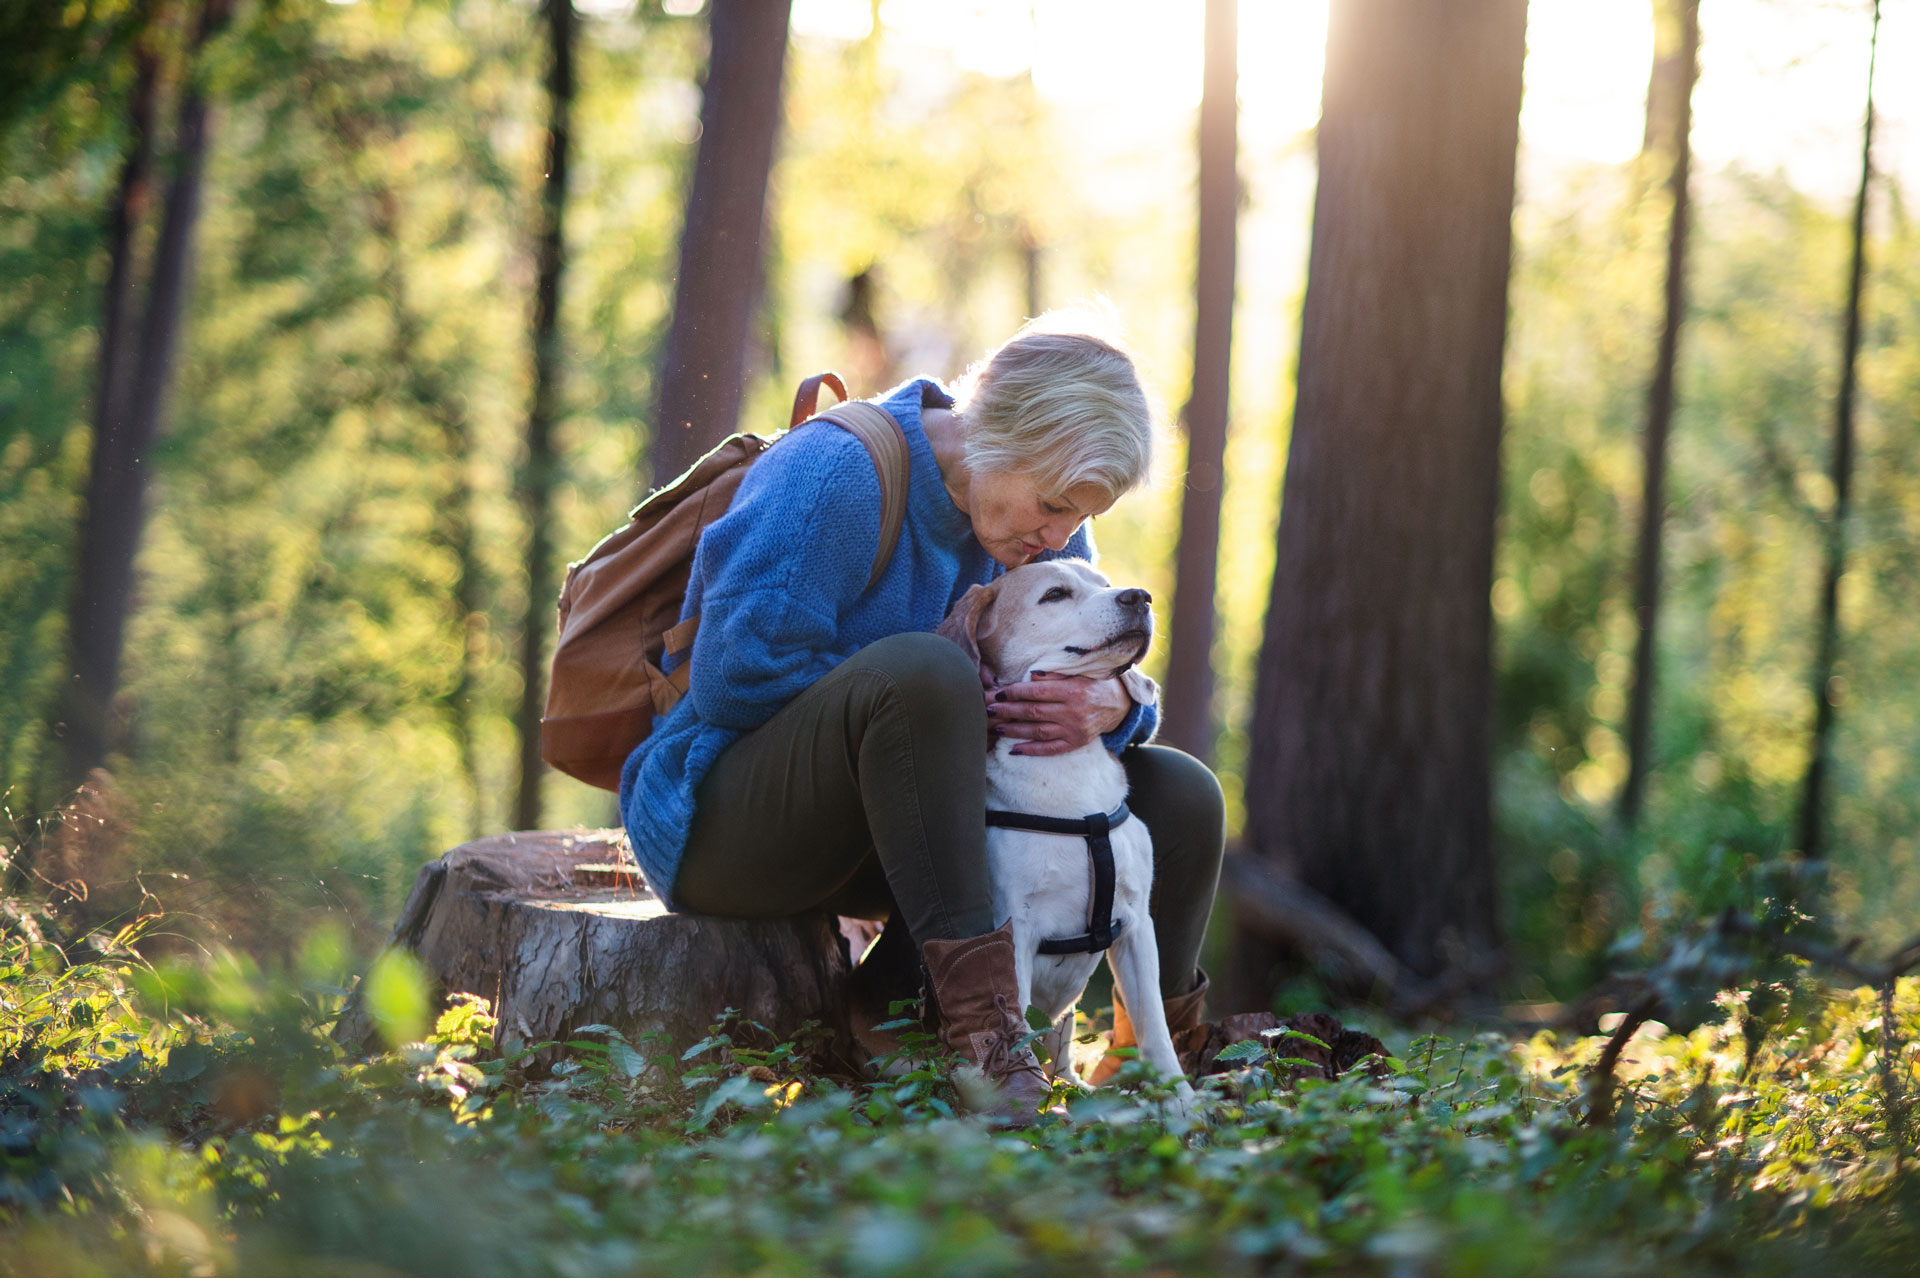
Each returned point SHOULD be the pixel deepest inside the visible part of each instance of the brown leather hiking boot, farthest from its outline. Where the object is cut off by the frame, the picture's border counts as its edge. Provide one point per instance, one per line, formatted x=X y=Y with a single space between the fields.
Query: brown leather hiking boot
x=1183 y=1020
x=977 y=1003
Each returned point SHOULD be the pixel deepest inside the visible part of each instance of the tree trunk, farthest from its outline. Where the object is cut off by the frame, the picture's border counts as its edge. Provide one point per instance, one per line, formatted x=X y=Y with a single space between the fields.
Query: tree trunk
x=720 y=241
x=1188 y=723
x=869 y=362
x=1030 y=267
x=547 y=930
x=135 y=386
x=1677 y=102
x=537 y=473
x=1675 y=70
x=1813 y=842
x=1369 y=770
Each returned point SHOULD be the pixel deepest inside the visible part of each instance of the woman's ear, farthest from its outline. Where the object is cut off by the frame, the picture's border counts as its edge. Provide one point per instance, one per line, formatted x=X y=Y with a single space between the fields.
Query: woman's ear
x=964 y=625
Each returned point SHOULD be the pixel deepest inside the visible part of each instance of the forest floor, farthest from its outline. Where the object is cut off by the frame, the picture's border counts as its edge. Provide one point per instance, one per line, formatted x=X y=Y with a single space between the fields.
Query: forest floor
x=195 y=1118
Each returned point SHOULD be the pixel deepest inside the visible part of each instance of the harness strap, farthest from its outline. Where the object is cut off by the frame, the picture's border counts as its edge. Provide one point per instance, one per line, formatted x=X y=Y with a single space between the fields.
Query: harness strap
x=1095 y=829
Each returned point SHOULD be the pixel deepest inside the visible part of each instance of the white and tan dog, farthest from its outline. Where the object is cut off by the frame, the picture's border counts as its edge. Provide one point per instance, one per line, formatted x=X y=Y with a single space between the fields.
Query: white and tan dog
x=1065 y=618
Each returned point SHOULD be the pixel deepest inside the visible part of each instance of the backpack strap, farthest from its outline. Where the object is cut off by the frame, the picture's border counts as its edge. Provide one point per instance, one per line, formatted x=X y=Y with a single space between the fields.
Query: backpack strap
x=806 y=400
x=886 y=444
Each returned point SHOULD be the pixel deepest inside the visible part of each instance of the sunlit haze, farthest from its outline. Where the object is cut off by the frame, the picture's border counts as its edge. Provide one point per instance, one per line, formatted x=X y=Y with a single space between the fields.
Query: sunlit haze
x=1781 y=80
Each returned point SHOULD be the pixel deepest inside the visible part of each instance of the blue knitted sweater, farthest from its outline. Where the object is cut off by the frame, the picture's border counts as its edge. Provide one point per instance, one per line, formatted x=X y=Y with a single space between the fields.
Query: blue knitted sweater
x=780 y=585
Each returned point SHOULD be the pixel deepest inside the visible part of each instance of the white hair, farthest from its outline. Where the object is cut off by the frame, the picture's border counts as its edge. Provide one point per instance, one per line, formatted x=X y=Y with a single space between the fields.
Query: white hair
x=1060 y=402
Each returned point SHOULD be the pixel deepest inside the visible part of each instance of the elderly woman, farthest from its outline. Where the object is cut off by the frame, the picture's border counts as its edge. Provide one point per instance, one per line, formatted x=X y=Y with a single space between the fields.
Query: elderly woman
x=829 y=754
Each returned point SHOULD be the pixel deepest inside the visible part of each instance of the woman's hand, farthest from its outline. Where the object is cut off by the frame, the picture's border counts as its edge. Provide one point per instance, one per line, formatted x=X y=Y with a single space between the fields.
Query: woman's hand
x=1053 y=714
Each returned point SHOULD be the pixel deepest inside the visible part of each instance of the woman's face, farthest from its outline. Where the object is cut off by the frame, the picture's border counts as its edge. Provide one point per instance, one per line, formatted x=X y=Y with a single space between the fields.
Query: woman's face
x=1015 y=521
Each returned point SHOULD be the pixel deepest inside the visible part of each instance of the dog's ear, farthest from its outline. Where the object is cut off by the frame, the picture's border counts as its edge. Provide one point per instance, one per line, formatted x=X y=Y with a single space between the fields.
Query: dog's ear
x=964 y=624
x=1143 y=690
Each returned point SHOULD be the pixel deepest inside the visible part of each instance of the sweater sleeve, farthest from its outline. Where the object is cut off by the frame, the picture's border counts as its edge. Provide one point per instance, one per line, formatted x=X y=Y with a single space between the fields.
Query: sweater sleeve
x=777 y=573
x=1142 y=721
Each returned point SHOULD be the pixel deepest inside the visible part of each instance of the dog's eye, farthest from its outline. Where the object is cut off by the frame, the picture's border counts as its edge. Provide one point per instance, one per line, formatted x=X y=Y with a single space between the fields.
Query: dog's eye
x=1056 y=595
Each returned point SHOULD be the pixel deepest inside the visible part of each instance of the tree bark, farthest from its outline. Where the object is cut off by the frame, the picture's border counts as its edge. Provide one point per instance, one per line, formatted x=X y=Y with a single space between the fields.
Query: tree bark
x=720 y=241
x=1813 y=842
x=524 y=921
x=537 y=472
x=1677 y=102
x=1030 y=269
x=1369 y=771
x=1188 y=723
x=869 y=360
x=136 y=382
x=1670 y=83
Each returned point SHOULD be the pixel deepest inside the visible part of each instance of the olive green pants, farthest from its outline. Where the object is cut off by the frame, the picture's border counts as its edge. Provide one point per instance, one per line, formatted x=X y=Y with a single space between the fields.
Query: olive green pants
x=866 y=796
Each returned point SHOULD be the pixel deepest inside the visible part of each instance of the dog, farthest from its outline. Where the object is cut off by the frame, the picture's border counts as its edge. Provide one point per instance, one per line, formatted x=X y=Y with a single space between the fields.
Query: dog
x=1064 y=618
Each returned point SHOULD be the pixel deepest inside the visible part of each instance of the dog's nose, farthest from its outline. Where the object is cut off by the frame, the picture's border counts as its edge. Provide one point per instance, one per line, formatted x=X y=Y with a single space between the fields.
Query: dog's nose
x=1134 y=599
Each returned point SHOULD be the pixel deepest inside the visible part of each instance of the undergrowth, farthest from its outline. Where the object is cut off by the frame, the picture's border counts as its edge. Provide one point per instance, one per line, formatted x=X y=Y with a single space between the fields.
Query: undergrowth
x=196 y=1119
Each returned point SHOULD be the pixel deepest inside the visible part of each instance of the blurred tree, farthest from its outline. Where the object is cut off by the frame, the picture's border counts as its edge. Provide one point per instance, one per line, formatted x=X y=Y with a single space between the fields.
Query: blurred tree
x=703 y=369
x=537 y=470
x=1670 y=83
x=871 y=364
x=1029 y=268
x=1677 y=63
x=1189 y=722
x=1369 y=770
x=135 y=385
x=1813 y=815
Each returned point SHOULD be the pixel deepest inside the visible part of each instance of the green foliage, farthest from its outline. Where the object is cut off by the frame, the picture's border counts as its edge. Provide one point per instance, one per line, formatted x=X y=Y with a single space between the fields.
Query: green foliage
x=1748 y=498
x=196 y=1117
x=318 y=680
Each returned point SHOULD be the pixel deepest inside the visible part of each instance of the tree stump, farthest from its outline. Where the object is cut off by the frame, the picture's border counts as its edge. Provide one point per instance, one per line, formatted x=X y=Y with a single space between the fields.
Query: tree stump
x=556 y=929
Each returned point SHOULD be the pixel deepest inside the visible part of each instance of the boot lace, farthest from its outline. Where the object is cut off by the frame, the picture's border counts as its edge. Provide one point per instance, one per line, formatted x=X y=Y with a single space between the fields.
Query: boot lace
x=1004 y=1051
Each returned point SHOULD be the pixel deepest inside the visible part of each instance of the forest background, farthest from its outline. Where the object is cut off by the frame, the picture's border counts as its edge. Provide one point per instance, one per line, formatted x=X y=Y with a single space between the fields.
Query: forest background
x=319 y=686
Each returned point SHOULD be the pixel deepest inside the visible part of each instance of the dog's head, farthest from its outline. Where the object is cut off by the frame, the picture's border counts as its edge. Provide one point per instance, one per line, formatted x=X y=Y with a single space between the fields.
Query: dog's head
x=1062 y=617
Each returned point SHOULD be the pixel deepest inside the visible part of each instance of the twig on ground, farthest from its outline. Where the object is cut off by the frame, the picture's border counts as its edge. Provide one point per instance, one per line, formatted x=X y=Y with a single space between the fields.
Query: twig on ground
x=1600 y=1080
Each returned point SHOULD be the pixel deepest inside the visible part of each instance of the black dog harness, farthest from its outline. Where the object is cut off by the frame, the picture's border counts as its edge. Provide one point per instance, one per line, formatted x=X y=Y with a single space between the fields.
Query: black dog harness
x=1102 y=927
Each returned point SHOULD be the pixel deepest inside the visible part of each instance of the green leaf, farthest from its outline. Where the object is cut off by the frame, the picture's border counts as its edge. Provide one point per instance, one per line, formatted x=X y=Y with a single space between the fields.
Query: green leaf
x=704 y=1045
x=626 y=1059
x=396 y=997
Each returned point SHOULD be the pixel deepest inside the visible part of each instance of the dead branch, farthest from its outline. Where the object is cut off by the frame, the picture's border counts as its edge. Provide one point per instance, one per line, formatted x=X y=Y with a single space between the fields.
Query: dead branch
x=1424 y=998
x=1282 y=909
x=1600 y=1080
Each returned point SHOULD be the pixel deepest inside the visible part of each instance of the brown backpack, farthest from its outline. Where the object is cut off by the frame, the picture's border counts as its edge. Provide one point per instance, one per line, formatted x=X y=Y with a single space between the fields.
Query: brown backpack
x=620 y=606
